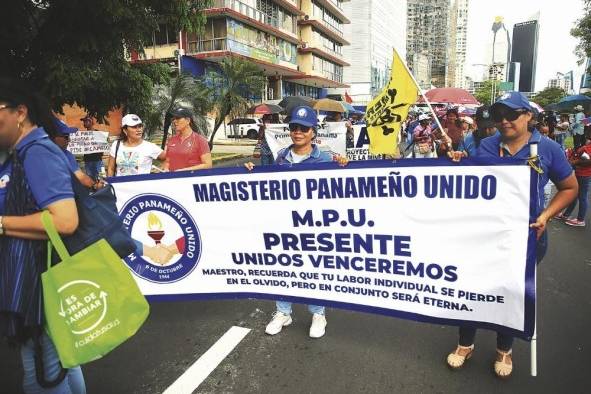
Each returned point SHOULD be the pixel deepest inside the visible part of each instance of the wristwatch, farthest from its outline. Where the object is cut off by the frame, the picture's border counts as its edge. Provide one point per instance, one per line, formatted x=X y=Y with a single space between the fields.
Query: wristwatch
x=1 y=226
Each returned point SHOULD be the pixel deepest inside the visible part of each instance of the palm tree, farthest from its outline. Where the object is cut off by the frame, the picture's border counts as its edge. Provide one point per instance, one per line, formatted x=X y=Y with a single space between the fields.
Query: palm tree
x=185 y=91
x=238 y=79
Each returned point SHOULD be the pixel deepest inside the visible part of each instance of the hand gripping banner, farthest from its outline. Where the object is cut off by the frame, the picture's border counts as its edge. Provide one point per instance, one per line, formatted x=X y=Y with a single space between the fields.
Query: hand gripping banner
x=426 y=240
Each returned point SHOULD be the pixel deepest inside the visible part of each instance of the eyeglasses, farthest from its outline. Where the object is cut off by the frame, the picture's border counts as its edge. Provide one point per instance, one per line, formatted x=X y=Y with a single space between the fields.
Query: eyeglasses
x=506 y=113
x=296 y=127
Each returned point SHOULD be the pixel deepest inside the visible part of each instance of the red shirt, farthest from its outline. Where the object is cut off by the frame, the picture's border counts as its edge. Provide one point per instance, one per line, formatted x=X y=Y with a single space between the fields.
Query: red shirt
x=185 y=153
x=580 y=170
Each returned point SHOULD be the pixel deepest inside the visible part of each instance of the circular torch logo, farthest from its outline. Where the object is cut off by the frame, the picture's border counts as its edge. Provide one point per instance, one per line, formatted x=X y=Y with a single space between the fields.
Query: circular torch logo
x=168 y=244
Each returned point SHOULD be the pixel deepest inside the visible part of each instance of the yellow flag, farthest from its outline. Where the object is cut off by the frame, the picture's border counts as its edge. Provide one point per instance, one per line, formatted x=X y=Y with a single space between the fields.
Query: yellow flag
x=389 y=109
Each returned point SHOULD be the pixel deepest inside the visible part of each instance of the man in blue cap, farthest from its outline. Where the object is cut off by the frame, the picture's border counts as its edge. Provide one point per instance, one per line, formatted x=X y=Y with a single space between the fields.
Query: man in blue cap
x=302 y=130
x=511 y=113
x=62 y=139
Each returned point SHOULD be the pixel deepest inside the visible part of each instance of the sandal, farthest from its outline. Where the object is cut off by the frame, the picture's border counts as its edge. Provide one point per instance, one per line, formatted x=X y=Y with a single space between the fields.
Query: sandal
x=504 y=364
x=455 y=360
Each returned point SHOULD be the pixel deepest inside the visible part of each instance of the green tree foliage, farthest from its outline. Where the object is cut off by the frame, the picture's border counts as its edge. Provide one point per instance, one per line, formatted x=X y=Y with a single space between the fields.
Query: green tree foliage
x=485 y=93
x=182 y=91
x=238 y=79
x=77 y=51
x=548 y=96
x=582 y=31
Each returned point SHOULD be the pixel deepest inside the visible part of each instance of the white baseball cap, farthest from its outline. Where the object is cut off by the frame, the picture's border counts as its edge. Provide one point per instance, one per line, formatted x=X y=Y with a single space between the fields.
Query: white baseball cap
x=130 y=120
x=424 y=117
x=468 y=120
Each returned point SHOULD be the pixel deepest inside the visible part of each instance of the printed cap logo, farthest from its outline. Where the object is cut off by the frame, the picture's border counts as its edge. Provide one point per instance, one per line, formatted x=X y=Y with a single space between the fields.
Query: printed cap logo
x=302 y=112
x=485 y=114
x=505 y=96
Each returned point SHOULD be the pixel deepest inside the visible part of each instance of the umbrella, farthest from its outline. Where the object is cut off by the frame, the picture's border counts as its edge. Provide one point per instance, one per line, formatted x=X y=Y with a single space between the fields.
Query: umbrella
x=329 y=105
x=449 y=95
x=264 y=109
x=348 y=107
x=290 y=102
x=568 y=103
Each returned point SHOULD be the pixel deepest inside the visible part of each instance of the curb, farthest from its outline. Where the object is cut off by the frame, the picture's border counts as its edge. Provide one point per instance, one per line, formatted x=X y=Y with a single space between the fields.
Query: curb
x=227 y=157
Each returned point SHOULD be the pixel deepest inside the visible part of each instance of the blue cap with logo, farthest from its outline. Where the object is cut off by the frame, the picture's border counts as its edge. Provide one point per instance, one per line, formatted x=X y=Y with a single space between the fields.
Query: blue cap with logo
x=304 y=116
x=513 y=100
x=63 y=128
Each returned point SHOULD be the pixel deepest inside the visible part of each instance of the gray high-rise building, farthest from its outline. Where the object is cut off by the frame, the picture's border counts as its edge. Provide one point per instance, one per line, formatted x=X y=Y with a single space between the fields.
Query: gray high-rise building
x=428 y=30
x=525 y=51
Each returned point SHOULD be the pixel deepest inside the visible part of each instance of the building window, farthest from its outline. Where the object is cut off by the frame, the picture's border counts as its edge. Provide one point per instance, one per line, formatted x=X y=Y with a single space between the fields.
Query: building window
x=165 y=35
x=295 y=89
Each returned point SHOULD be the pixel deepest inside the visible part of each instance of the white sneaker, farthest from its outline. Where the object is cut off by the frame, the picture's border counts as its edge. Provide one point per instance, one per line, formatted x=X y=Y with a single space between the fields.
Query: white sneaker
x=279 y=321
x=318 y=327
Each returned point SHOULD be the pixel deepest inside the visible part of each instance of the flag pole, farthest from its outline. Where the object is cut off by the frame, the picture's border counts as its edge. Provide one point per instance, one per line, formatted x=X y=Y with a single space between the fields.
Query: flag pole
x=421 y=92
x=533 y=153
x=534 y=338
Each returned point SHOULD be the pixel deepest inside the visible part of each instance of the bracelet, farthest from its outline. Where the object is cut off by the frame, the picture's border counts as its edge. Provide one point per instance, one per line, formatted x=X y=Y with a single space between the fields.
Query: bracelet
x=1 y=225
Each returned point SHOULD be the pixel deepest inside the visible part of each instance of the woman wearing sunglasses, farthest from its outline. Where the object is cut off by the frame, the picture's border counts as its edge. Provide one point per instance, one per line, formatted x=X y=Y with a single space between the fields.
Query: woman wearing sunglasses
x=511 y=113
x=302 y=130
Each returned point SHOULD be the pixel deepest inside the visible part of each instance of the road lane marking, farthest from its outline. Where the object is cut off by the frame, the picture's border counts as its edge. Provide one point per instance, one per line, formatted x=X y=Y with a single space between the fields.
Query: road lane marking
x=205 y=365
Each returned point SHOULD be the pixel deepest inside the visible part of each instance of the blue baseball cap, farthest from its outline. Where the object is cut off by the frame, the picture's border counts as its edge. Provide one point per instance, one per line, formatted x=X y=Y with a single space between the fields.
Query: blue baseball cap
x=513 y=100
x=304 y=116
x=63 y=128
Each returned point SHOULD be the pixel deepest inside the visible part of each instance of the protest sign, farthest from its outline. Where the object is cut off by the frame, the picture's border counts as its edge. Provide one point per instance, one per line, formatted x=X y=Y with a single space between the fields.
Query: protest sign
x=419 y=239
x=84 y=142
x=330 y=137
x=360 y=149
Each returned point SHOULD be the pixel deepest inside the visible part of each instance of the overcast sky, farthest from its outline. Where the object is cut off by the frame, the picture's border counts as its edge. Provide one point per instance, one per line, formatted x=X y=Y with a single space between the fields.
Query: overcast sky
x=555 y=47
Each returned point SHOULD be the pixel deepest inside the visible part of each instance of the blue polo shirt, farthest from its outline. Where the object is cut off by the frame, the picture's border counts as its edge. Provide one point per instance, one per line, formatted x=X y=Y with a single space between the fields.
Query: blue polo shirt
x=5 y=172
x=316 y=156
x=552 y=159
x=46 y=166
x=72 y=163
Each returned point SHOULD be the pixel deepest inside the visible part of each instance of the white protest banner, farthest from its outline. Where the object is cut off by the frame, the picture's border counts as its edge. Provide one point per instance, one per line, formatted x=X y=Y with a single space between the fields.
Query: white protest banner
x=360 y=149
x=330 y=136
x=422 y=239
x=84 y=142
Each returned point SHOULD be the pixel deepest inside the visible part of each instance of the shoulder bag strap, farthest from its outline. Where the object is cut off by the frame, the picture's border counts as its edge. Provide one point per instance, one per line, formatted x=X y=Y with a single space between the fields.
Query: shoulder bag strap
x=116 y=152
x=54 y=238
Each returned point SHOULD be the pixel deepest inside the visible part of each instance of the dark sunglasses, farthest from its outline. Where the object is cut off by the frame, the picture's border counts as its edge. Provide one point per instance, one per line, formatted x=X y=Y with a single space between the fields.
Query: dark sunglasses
x=295 y=127
x=507 y=113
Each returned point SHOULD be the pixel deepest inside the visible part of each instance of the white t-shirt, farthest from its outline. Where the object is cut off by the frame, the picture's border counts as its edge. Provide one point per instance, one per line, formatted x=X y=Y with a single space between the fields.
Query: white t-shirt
x=134 y=160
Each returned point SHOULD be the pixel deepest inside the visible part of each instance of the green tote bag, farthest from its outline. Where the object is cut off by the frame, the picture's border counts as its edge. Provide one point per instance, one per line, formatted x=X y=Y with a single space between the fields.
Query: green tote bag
x=92 y=303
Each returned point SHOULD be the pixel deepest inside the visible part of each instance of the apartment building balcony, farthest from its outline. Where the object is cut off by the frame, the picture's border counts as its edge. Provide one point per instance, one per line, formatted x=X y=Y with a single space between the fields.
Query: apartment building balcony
x=325 y=28
x=323 y=51
x=334 y=8
x=217 y=49
x=290 y=5
x=321 y=78
x=253 y=17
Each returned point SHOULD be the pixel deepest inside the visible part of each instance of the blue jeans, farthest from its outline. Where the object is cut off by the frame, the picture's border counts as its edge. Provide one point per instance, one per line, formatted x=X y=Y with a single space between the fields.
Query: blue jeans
x=93 y=168
x=73 y=382
x=285 y=308
x=584 y=182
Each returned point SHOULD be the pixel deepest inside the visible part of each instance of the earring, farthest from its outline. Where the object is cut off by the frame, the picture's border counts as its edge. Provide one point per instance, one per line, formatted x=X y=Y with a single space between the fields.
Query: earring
x=18 y=124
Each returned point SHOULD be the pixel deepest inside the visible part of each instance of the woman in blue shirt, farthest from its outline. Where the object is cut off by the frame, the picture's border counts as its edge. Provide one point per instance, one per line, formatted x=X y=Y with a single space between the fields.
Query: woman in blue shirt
x=302 y=127
x=40 y=180
x=512 y=112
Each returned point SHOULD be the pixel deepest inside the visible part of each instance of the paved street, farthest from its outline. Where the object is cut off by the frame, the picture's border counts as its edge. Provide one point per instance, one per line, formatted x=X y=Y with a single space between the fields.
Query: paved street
x=361 y=353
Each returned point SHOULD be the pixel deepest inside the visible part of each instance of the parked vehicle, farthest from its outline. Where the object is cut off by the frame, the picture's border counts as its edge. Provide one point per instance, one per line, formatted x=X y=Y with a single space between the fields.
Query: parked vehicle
x=244 y=128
